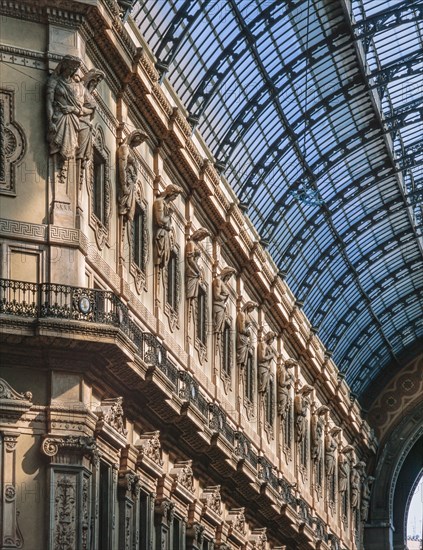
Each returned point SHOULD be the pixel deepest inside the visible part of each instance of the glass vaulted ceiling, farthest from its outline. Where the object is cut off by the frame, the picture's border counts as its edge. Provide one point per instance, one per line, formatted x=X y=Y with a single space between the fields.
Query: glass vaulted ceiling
x=315 y=108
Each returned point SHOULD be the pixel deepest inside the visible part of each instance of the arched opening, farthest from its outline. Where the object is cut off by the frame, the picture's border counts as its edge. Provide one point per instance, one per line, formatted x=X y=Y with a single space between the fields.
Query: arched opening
x=414 y=515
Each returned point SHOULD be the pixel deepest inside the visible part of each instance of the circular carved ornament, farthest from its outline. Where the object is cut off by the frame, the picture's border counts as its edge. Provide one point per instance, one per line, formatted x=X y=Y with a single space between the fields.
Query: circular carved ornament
x=84 y=304
x=9 y=493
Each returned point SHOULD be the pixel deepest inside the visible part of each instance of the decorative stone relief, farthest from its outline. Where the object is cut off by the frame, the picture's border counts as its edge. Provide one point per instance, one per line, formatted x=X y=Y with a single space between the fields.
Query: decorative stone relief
x=366 y=491
x=235 y=518
x=12 y=143
x=148 y=445
x=211 y=499
x=216 y=418
x=355 y=481
x=317 y=430
x=12 y=403
x=110 y=412
x=221 y=294
x=164 y=238
x=331 y=445
x=301 y=405
x=84 y=151
x=182 y=474
x=65 y=517
x=195 y=534
x=285 y=381
x=11 y=535
x=258 y=538
x=265 y=356
x=64 y=108
x=344 y=468
x=129 y=174
x=244 y=323
x=194 y=274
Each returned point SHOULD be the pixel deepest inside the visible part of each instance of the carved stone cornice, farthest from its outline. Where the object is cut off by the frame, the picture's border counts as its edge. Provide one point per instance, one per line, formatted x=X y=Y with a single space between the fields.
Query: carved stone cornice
x=13 y=404
x=81 y=445
x=110 y=424
x=150 y=453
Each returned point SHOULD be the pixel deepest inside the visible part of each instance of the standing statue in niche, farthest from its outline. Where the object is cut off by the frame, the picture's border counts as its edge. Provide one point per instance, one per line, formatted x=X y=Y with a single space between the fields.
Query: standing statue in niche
x=162 y=214
x=355 y=481
x=85 y=135
x=220 y=299
x=64 y=108
x=344 y=468
x=317 y=429
x=301 y=405
x=366 y=492
x=244 y=345
x=285 y=382
x=330 y=449
x=265 y=355
x=129 y=170
x=193 y=272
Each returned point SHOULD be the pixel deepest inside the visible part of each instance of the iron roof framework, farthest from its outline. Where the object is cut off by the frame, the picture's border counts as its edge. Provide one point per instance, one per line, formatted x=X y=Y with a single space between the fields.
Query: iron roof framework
x=315 y=110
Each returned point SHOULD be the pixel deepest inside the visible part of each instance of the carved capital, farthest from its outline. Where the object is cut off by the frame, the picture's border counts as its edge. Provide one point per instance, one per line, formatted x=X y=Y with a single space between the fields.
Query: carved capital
x=82 y=445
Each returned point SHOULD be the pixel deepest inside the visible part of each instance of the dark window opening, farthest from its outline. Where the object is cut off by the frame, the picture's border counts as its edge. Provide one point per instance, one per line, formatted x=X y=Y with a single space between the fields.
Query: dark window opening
x=138 y=238
x=249 y=378
x=105 y=491
x=99 y=173
x=172 y=275
x=202 y=316
x=226 y=349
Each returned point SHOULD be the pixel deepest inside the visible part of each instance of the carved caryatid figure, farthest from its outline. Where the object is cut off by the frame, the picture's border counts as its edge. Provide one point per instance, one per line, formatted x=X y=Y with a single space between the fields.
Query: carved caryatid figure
x=355 y=482
x=330 y=449
x=129 y=174
x=220 y=299
x=244 y=323
x=317 y=429
x=193 y=271
x=366 y=492
x=89 y=105
x=344 y=468
x=301 y=405
x=64 y=107
x=162 y=213
x=285 y=383
x=265 y=355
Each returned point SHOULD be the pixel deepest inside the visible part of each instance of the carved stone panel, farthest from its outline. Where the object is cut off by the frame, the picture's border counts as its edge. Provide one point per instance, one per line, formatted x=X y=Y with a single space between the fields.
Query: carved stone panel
x=12 y=143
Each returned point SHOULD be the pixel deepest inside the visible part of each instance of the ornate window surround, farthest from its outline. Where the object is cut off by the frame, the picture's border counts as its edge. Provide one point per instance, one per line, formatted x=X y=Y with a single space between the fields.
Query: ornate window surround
x=226 y=355
x=172 y=310
x=200 y=345
x=101 y=230
x=139 y=271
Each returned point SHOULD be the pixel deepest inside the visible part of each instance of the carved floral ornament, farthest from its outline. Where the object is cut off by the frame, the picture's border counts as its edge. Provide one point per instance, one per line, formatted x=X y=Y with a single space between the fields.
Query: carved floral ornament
x=236 y=520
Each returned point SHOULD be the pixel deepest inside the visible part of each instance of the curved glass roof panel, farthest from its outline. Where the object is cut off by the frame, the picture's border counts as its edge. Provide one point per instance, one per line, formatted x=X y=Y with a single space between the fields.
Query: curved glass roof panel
x=317 y=116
